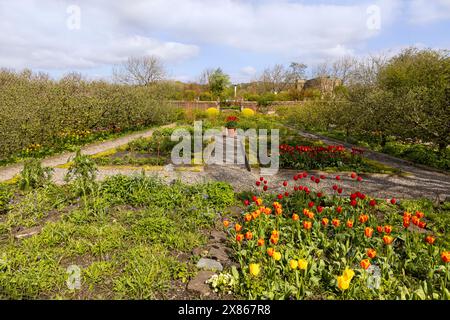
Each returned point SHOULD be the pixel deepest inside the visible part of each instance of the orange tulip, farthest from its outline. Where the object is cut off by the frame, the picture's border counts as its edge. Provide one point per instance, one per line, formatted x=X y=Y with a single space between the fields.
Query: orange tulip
x=368 y=232
x=445 y=256
x=311 y=215
x=295 y=217
x=325 y=222
x=275 y=233
x=239 y=237
x=407 y=215
x=422 y=224
x=429 y=239
x=388 y=229
x=248 y=217
x=419 y=214
x=363 y=218
x=274 y=239
x=261 y=242
x=388 y=240
x=415 y=220
x=237 y=227
x=226 y=223
x=349 y=224
x=248 y=235
x=336 y=222
x=380 y=229
x=406 y=223
x=270 y=251
x=307 y=225
x=365 y=264
x=371 y=253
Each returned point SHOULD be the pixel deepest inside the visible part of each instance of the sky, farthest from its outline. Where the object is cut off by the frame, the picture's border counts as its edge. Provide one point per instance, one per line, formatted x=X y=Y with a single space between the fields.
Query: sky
x=243 y=37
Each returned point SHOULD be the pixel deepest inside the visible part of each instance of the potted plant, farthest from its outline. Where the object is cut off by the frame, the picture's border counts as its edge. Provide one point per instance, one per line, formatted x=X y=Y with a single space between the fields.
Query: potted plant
x=231 y=124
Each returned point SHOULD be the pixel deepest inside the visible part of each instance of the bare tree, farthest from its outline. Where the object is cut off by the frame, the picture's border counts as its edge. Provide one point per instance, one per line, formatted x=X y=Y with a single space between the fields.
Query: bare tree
x=205 y=76
x=140 y=71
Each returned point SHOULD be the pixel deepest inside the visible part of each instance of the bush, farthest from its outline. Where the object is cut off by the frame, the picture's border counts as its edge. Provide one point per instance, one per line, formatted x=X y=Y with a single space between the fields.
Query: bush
x=40 y=116
x=247 y=112
x=34 y=175
x=212 y=112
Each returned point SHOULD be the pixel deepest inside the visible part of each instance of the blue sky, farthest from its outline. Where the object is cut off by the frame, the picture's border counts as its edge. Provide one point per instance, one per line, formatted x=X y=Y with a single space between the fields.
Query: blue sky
x=242 y=37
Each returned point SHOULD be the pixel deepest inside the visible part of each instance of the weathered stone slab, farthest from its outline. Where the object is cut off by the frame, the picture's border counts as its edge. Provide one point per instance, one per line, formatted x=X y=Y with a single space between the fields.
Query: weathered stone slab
x=209 y=264
x=198 y=283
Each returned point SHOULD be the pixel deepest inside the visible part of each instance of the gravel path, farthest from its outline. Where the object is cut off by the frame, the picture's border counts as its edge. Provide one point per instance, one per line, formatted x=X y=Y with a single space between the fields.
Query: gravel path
x=418 y=182
x=8 y=172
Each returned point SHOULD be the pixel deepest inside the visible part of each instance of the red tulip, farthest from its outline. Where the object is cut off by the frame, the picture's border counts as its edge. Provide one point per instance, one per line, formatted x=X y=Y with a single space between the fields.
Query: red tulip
x=246 y=202
x=339 y=209
x=258 y=183
x=311 y=204
x=373 y=203
x=338 y=178
x=353 y=175
x=265 y=188
x=280 y=196
x=285 y=183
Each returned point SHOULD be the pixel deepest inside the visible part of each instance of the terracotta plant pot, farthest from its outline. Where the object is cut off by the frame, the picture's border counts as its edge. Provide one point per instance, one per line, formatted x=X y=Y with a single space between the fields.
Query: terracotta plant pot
x=232 y=132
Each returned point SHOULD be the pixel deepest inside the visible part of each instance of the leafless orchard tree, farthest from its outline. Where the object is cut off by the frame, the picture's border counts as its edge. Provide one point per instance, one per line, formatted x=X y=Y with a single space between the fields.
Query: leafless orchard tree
x=205 y=76
x=141 y=71
x=278 y=77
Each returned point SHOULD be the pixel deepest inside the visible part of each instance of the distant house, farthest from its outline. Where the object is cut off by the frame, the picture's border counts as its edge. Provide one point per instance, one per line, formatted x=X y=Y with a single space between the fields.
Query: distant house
x=326 y=85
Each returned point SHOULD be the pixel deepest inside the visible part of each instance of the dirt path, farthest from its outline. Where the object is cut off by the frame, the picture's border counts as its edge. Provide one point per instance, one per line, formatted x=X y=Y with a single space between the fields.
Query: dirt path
x=8 y=172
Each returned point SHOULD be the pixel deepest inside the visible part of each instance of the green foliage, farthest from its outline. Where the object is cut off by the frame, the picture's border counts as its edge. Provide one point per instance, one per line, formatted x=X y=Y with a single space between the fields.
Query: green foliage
x=41 y=117
x=125 y=238
x=82 y=172
x=34 y=175
x=218 y=82
x=6 y=195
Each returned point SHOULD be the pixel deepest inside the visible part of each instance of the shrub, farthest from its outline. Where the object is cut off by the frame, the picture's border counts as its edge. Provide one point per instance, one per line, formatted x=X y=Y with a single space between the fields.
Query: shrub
x=212 y=112
x=34 y=175
x=247 y=112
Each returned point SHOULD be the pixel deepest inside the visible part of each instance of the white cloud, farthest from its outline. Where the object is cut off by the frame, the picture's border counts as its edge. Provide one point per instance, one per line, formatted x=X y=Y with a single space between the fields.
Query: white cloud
x=34 y=34
x=248 y=71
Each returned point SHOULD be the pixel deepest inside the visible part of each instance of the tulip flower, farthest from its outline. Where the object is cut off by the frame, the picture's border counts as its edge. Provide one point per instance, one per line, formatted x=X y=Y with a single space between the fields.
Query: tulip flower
x=348 y=274
x=246 y=202
x=247 y=217
x=371 y=253
x=343 y=283
x=349 y=224
x=295 y=217
x=239 y=237
x=307 y=225
x=260 y=242
x=387 y=240
x=248 y=235
x=258 y=183
x=226 y=223
x=336 y=222
x=293 y=264
x=388 y=229
x=368 y=232
x=422 y=224
x=270 y=252
x=365 y=264
x=339 y=209
x=325 y=222
x=302 y=264
x=373 y=203
x=430 y=239
x=265 y=188
x=277 y=256
x=445 y=256
x=237 y=227
x=255 y=269
x=285 y=183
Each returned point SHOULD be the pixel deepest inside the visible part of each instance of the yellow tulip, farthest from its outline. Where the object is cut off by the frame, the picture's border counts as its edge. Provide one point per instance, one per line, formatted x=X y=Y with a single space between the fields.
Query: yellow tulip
x=348 y=274
x=343 y=283
x=255 y=269
x=293 y=264
x=302 y=264
x=277 y=256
